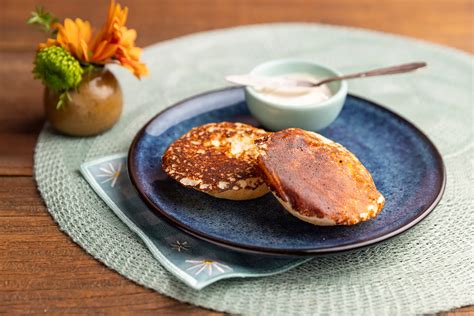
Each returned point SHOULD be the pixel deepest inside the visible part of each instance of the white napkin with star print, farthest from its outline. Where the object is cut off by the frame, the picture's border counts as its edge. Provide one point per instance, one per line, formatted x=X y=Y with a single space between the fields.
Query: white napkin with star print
x=195 y=262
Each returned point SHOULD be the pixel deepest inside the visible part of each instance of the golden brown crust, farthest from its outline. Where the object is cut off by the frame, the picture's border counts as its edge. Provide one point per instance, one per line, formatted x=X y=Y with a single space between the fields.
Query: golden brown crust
x=316 y=179
x=219 y=159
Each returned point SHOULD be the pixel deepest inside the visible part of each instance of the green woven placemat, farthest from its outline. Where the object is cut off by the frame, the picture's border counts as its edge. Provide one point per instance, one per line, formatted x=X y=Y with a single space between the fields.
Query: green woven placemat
x=427 y=269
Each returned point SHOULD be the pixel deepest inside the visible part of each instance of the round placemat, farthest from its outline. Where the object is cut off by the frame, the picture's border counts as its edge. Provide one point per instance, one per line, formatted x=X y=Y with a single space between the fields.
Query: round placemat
x=427 y=269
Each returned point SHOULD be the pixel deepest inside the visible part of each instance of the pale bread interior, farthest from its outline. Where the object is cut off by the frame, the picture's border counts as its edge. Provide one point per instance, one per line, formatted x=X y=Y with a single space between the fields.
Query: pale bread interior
x=241 y=194
x=312 y=220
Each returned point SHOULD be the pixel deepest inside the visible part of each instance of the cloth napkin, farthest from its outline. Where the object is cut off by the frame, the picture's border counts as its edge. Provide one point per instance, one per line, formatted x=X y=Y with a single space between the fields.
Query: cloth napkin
x=195 y=262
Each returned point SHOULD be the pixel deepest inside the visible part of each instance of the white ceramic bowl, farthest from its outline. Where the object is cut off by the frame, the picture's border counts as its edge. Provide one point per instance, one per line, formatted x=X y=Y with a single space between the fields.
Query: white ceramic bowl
x=279 y=115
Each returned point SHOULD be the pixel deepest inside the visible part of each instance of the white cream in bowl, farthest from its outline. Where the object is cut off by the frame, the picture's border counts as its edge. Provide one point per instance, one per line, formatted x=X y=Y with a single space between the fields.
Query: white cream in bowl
x=309 y=108
x=294 y=95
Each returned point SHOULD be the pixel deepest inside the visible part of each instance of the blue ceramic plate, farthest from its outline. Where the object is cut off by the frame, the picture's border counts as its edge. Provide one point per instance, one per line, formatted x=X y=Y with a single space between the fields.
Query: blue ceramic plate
x=405 y=165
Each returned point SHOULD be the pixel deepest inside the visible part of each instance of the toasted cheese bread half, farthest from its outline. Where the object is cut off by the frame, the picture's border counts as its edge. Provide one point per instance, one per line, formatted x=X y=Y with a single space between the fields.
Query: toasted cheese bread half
x=318 y=180
x=219 y=159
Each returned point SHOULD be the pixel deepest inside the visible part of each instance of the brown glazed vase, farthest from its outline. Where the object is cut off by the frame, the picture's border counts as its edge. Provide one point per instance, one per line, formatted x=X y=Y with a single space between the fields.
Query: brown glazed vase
x=94 y=107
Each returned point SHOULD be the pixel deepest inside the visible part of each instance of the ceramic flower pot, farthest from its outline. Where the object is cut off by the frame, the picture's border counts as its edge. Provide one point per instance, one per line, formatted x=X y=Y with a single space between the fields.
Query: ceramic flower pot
x=92 y=108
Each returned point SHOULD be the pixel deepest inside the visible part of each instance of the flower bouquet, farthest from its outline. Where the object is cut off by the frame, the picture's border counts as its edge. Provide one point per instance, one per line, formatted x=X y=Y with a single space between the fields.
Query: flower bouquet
x=81 y=96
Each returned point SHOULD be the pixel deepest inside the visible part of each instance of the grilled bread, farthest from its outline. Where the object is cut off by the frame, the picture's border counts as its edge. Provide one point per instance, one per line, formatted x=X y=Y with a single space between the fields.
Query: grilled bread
x=316 y=179
x=219 y=159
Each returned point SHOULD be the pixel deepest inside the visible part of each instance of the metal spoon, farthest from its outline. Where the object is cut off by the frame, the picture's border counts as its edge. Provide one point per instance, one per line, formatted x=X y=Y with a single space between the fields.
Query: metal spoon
x=255 y=80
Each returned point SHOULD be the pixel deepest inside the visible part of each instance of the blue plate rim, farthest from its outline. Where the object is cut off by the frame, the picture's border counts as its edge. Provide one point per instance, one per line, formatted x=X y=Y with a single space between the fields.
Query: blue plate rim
x=283 y=251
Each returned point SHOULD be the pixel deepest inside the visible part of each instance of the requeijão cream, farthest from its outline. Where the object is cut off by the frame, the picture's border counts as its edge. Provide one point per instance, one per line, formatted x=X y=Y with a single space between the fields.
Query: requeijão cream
x=295 y=95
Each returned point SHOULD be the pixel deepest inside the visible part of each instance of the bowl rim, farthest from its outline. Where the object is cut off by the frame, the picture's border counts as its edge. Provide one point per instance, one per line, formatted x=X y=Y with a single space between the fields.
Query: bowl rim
x=340 y=94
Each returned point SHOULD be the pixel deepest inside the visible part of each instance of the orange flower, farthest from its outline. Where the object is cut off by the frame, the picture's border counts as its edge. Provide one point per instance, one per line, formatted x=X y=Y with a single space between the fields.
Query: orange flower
x=73 y=36
x=114 y=39
x=114 y=42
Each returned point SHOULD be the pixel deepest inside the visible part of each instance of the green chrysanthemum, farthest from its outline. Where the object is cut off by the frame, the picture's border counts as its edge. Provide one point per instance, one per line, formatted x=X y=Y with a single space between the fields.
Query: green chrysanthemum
x=57 y=69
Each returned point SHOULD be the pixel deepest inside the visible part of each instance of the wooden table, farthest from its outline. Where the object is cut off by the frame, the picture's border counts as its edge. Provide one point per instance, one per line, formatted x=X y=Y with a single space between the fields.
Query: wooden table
x=41 y=269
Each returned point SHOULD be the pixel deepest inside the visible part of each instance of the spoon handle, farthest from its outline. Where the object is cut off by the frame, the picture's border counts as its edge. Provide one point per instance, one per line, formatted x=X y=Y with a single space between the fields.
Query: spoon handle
x=377 y=72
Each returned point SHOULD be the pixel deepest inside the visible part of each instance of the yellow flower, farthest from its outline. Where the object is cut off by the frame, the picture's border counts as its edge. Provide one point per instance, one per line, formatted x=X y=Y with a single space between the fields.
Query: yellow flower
x=114 y=39
x=73 y=36
x=114 y=42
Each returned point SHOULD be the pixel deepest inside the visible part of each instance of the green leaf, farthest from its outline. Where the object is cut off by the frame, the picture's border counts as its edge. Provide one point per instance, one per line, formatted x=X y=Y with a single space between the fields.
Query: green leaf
x=62 y=101
x=43 y=19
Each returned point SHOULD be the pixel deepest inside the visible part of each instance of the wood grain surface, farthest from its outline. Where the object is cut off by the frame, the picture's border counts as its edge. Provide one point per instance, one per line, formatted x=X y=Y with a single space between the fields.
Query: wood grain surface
x=41 y=269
